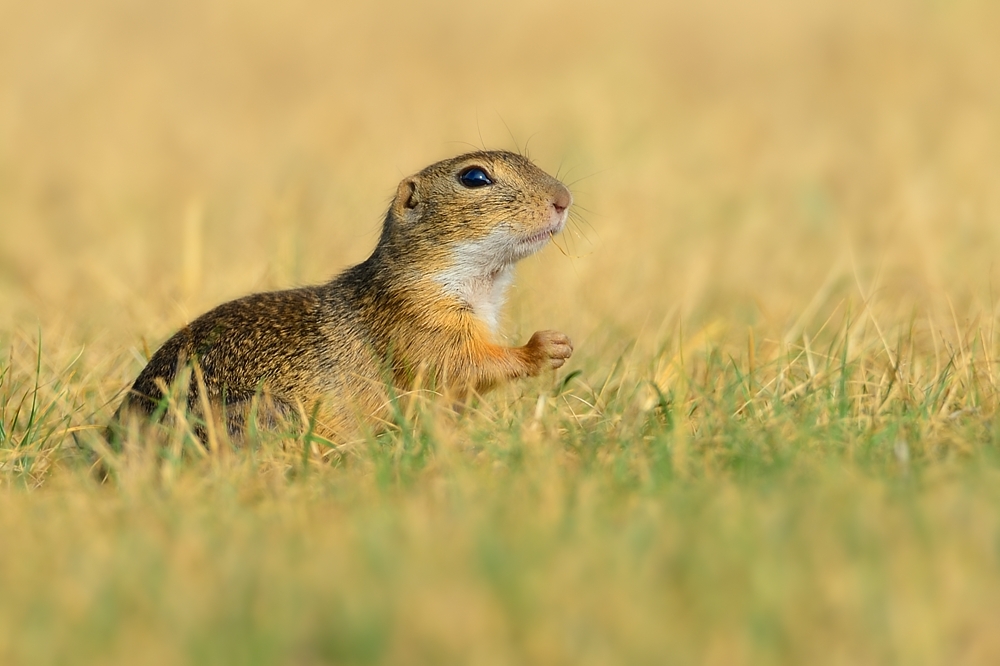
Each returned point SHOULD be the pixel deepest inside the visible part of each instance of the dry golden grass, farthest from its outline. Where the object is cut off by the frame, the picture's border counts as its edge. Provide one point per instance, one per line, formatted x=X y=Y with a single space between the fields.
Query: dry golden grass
x=777 y=442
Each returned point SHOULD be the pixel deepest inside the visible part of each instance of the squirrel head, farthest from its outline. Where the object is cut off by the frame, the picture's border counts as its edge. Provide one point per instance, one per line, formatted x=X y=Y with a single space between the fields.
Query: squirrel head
x=485 y=210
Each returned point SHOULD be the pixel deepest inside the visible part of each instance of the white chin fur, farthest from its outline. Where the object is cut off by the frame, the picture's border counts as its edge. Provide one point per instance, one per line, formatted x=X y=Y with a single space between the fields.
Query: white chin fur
x=481 y=271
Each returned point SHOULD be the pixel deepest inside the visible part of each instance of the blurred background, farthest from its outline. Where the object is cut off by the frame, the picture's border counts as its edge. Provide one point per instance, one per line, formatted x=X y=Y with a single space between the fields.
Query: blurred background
x=753 y=163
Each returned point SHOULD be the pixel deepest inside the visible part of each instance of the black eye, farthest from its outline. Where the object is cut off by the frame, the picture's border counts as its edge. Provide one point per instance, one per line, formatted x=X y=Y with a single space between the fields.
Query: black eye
x=474 y=177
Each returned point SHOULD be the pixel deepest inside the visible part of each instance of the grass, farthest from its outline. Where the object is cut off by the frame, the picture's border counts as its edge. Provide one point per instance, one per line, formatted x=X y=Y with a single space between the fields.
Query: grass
x=686 y=510
x=778 y=441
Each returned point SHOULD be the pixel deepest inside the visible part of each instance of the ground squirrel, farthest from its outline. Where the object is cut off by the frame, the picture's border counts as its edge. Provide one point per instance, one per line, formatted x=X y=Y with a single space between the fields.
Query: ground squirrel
x=424 y=305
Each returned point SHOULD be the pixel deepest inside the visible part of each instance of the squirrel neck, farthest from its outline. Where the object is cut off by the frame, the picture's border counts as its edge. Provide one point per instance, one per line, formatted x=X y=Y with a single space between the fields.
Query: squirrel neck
x=480 y=289
x=466 y=287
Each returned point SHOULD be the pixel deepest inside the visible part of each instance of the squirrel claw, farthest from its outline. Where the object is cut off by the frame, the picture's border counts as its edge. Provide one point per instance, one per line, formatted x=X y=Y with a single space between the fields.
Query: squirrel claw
x=550 y=348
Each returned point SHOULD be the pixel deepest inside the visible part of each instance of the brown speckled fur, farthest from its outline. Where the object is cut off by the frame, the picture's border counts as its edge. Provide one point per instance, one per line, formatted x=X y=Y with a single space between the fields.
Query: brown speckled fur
x=387 y=319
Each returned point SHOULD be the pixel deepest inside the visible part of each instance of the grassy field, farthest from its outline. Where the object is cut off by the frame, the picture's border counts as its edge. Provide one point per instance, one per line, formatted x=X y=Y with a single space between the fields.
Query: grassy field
x=778 y=441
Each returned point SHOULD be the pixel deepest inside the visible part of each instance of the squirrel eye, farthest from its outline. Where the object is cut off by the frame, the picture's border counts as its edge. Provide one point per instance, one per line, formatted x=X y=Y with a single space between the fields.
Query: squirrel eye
x=474 y=177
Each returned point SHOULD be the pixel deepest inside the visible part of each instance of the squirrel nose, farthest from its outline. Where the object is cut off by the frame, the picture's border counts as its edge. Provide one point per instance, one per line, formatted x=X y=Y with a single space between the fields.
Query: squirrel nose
x=562 y=199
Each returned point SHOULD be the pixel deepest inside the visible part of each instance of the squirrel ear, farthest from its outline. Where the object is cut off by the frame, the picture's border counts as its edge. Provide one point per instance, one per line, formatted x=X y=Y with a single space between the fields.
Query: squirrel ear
x=407 y=194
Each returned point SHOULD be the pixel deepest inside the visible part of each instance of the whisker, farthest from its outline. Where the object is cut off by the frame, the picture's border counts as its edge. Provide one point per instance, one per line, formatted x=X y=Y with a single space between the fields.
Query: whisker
x=464 y=143
x=568 y=171
x=480 y=129
x=596 y=173
x=527 y=143
x=509 y=132
x=578 y=207
x=580 y=219
x=560 y=248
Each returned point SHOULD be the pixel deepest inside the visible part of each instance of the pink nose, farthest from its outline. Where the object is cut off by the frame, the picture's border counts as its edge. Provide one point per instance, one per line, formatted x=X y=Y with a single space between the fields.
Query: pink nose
x=561 y=200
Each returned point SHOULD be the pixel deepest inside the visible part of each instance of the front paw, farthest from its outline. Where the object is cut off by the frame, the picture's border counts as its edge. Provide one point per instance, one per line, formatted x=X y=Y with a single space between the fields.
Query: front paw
x=549 y=349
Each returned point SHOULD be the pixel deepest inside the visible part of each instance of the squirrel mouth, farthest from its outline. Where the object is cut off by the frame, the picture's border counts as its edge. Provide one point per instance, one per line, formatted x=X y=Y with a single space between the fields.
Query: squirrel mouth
x=541 y=237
